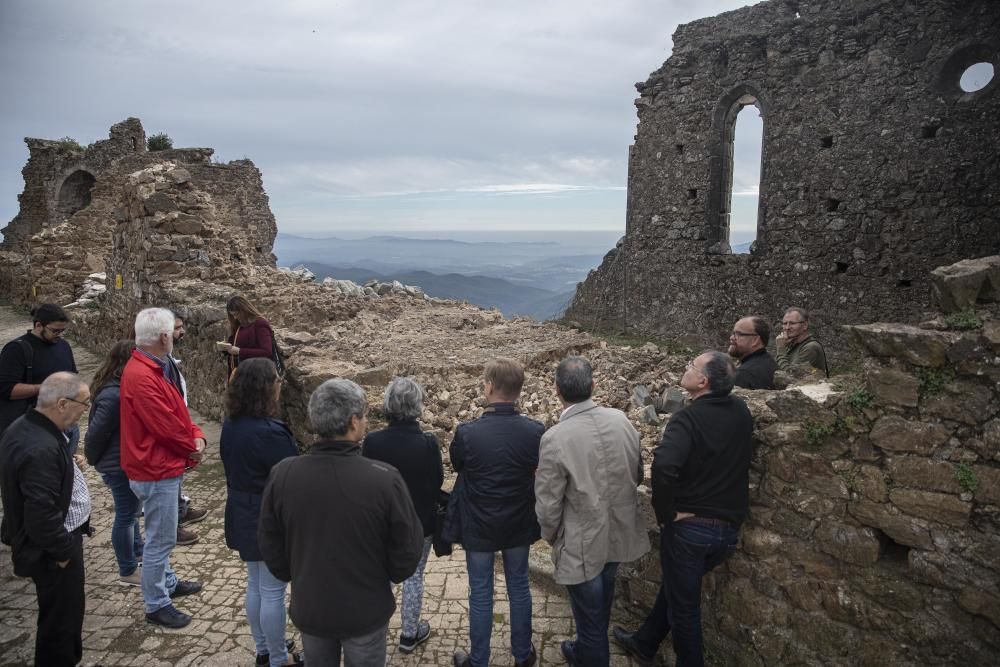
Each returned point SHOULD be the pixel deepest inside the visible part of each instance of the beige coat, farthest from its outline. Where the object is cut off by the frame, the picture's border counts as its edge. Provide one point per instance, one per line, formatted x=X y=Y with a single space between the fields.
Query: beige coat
x=585 y=492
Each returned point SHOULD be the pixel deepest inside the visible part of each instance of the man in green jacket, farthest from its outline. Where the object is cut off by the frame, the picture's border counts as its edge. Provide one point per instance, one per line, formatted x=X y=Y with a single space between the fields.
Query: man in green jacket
x=797 y=351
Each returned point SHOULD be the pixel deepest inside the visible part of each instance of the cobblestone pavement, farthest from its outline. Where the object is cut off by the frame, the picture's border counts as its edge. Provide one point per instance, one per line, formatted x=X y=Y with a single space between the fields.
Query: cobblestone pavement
x=115 y=631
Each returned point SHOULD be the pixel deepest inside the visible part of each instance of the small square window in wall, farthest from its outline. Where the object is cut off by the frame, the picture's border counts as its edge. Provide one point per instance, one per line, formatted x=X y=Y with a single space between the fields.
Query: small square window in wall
x=832 y=204
x=692 y=194
x=680 y=148
x=929 y=131
x=826 y=142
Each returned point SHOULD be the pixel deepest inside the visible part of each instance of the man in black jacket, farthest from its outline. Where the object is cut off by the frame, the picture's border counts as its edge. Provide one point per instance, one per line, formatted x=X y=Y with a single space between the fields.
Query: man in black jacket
x=700 y=478
x=748 y=344
x=342 y=529
x=492 y=508
x=46 y=512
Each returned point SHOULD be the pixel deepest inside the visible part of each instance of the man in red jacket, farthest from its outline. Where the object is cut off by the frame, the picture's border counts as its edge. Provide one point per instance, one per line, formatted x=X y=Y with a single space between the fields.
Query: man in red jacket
x=158 y=441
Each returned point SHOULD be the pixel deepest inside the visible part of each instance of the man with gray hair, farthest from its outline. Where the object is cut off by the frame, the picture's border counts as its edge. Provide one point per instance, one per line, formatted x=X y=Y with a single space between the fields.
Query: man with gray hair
x=700 y=477
x=158 y=442
x=46 y=513
x=797 y=351
x=588 y=507
x=342 y=529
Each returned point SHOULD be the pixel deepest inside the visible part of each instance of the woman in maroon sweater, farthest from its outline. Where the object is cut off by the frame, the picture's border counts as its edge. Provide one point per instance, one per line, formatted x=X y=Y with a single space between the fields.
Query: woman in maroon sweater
x=250 y=335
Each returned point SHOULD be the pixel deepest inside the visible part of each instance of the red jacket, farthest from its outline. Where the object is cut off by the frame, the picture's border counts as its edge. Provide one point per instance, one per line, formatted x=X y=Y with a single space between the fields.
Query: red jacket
x=157 y=434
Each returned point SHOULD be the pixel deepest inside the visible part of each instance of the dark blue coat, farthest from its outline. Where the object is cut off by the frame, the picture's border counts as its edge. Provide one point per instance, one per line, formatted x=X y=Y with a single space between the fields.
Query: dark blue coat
x=493 y=504
x=417 y=457
x=250 y=446
x=102 y=445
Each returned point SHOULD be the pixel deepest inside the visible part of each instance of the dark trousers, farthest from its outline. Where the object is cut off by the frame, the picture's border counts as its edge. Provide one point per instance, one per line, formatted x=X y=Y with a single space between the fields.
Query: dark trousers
x=688 y=550
x=60 y=611
x=591 y=605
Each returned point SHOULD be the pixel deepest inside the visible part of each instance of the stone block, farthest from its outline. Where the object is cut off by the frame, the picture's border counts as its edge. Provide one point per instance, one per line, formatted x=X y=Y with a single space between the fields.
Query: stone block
x=988 y=484
x=896 y=434
x=966 y=401
x=762 y=543
x=938 y=507
x=641 y=396
x=965 y=283
x=783 y=435
x=796 y=407
x=991 y=332
x=870 y=482
x=923 y=474
x=916 y=346
x=981 y=602
x=889 y=386
x=159 y=202
x=670 y=401
x=860 y=546
x=902 y=529
x=377 y=376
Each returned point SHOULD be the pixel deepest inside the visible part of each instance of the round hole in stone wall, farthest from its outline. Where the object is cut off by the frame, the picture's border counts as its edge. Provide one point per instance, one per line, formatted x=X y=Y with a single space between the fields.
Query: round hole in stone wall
x=976 y=77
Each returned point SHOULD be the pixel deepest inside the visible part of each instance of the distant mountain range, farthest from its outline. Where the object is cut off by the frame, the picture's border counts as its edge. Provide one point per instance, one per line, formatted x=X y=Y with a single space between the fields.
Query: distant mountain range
x=484 y=291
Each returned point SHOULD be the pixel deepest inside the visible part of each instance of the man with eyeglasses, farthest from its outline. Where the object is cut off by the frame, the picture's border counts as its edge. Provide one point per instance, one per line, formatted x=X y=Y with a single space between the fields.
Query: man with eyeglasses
x=748 y=344
x=46 y=508
x=701 y=494
x=27 y=360
x=797 y=351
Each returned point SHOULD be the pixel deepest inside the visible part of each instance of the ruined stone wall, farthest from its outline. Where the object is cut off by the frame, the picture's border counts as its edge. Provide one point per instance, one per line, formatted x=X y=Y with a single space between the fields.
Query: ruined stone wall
x=876 y=168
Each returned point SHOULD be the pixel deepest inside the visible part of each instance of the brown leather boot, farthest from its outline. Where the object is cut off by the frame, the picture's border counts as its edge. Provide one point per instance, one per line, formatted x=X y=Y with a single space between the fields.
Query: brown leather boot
x=186 y=537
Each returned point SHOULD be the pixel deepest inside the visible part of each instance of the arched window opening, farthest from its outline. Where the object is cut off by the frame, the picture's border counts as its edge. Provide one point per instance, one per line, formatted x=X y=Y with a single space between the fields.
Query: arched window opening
x=745 y=156
x=74 y=194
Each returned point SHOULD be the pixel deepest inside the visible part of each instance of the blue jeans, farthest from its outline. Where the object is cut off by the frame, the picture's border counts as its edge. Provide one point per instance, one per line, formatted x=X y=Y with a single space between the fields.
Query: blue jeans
x=364 y=651
x=159 y=500
x=126 y=539
x=591 y=605
x=265 y=605
x=515 y=570
x=687 y=551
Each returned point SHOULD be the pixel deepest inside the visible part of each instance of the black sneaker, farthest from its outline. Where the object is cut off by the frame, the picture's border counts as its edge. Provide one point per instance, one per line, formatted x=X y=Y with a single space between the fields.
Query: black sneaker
x=530 y=660
x=407 y=644
x=627 y=641
x=186 y=588
x=461 y=659
x=168 y=617
x=264 y=659
x=568 y=648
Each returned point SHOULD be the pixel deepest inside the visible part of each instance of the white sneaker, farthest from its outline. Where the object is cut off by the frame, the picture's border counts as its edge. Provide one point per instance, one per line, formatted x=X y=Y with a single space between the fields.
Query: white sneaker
x=134 y=579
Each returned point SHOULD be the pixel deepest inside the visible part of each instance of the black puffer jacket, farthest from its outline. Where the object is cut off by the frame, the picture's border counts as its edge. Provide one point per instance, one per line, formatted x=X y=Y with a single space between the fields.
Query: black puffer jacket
x=493 y=504
x=102 y=445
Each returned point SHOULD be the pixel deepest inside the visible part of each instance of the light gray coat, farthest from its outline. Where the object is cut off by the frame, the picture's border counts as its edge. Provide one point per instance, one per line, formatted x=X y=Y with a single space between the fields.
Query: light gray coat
x=585 y=492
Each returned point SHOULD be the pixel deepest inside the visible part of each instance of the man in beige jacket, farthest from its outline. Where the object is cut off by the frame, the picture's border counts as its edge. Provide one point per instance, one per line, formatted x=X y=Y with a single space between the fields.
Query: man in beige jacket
x=587 y=506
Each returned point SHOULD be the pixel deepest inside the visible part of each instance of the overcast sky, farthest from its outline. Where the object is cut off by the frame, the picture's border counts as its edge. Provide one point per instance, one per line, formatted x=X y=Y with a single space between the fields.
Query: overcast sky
x=375 y=116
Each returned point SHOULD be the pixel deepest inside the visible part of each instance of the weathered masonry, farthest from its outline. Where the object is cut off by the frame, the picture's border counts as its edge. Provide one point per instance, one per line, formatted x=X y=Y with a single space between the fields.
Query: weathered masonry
x=876 y=167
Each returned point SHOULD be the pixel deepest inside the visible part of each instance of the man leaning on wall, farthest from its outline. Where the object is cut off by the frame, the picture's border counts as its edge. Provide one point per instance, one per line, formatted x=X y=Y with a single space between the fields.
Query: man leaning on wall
x=797 y=352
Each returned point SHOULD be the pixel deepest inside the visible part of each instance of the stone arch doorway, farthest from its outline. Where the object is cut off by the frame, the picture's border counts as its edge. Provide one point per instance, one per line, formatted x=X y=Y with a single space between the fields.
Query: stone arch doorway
x=74 y=193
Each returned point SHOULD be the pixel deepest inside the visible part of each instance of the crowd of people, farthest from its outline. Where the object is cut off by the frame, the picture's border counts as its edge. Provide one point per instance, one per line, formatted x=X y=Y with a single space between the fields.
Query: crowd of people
x=358 y=512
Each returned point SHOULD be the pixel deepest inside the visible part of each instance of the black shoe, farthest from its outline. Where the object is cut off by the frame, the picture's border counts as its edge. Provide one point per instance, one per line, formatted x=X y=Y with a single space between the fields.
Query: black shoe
x=569 y=651
x=168 y=617
x=264 y=659
x=407 y=644
x=627 y=641
x=461 y=659
x=530 y=660
x=186 y=588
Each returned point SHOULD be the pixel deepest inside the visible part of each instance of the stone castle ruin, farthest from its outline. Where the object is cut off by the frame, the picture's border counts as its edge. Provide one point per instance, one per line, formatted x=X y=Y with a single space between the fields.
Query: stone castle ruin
x=876 y=168
x=875 y=517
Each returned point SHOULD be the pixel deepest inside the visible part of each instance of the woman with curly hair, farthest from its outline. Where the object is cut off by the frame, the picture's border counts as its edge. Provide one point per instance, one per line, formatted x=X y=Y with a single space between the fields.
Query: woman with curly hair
x=102 y=449
x=253 y=441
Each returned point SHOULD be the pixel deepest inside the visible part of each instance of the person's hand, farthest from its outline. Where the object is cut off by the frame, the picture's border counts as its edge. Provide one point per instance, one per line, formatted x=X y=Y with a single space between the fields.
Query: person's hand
x=682 y=515
x=62 y=564
x=234 y=351
x=81 y=460
x=199 y=452
x=781 y=340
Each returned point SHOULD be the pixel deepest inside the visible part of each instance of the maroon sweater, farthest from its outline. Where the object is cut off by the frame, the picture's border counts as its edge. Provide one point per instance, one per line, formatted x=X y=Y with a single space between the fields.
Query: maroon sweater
x=254 y=340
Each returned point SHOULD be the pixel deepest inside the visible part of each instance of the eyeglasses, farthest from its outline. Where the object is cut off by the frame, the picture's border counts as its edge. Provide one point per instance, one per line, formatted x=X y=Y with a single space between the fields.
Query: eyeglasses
x=741 y=334
x=55 y=332
x=691 y=367
x=792 y=323
x=85 y=404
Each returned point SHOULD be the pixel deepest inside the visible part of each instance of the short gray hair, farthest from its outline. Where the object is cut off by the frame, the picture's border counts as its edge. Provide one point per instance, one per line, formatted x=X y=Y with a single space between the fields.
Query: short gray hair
x=333 y=404
x=59 y=385
x=719 y=371
x=404 y=399
x=151 y=323
x=575 y=379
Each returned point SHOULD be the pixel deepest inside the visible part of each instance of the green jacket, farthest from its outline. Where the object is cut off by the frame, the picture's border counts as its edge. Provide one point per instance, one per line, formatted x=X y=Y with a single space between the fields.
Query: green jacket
x=806 y=353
